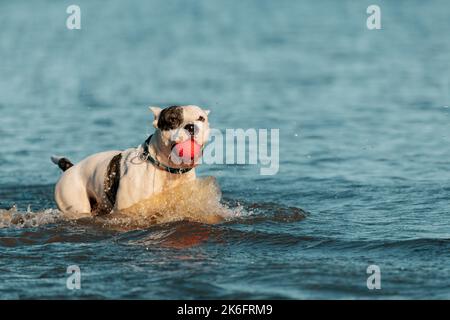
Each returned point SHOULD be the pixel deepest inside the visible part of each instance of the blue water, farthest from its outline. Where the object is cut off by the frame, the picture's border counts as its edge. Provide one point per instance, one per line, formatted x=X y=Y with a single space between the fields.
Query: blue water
x=364 y=145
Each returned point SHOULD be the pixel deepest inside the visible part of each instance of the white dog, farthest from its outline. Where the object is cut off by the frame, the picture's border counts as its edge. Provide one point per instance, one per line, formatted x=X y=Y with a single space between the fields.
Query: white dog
x=115 y=180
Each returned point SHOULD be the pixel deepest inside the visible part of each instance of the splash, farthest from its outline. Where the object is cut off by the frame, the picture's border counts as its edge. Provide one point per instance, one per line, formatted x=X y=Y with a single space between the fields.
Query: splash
x=12 y=218
x=196 y=201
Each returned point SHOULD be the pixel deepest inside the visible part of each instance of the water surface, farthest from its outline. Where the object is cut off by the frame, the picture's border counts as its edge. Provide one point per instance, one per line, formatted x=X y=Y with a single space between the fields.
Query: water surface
x=364 y=146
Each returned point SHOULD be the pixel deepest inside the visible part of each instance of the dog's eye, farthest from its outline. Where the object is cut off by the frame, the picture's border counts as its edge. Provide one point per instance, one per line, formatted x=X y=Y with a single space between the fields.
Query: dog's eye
x=191 y=128
x=201 y=119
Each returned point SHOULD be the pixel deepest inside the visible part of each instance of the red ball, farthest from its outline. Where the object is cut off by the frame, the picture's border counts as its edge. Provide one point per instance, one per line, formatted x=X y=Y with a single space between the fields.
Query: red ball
x=187 y=150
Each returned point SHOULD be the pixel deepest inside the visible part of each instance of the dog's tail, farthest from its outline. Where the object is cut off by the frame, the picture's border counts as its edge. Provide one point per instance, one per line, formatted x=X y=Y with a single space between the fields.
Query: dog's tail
x=62 y=162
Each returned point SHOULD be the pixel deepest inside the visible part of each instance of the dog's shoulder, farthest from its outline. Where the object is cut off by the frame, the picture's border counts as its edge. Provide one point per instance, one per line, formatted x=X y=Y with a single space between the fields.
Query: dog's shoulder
x=132 y=158
x=132 y=154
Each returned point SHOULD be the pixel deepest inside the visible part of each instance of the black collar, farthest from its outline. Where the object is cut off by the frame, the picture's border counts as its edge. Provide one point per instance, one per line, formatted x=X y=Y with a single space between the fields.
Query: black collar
x=149 y=158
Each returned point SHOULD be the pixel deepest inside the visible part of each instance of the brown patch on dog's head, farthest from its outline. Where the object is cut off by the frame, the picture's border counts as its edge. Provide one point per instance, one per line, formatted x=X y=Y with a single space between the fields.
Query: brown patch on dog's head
x=170 y=118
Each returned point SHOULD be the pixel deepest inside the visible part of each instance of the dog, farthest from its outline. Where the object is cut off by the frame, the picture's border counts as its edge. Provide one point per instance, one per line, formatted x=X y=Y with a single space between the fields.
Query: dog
x=112 y=181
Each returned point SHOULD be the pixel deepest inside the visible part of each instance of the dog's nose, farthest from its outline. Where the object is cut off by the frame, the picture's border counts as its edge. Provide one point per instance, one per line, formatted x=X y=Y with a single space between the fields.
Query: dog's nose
x=191 y=128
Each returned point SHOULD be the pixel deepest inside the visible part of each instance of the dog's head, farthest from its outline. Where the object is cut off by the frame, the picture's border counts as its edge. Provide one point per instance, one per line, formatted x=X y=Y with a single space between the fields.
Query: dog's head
x=182 y=132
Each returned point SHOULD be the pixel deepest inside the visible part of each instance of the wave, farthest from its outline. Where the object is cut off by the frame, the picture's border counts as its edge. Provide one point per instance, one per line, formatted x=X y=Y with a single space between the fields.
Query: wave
x=18 y=219
x=199 y=201
x=188 y=234
x=188 y=215
x=247 y=227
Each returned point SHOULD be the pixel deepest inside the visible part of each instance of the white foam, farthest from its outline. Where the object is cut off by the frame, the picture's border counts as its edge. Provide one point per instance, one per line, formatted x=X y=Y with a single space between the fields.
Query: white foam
x=13 y=218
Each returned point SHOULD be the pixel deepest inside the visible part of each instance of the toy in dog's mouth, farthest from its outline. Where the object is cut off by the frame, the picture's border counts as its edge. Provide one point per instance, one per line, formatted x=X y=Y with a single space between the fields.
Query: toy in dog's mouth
x=186 y=152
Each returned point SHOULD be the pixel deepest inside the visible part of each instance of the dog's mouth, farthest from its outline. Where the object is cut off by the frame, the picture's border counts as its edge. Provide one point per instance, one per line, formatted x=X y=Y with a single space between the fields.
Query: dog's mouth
x=186 y=152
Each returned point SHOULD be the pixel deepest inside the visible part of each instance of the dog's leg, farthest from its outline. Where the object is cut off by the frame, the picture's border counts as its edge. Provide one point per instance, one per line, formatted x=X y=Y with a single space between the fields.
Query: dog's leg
x=72 y=197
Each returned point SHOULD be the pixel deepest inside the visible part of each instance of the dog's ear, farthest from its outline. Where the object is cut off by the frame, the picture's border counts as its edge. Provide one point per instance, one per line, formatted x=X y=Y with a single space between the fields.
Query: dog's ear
x=156 y=112
x=207 y=112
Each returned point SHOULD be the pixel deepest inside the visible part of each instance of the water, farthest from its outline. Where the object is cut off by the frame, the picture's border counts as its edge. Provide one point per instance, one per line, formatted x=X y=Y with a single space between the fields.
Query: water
x=364 y=146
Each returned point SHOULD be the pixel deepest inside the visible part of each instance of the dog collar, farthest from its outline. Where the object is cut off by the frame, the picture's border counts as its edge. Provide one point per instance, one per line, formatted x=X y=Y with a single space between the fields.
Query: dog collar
x=158 y=164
